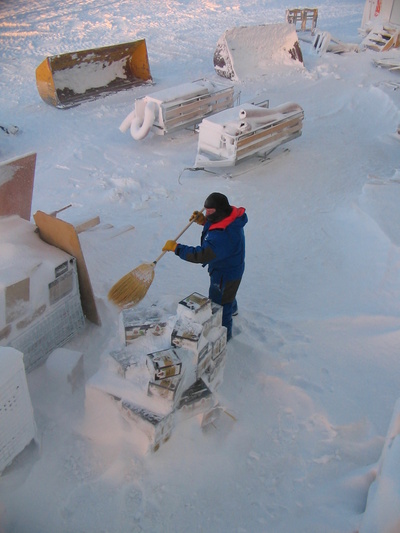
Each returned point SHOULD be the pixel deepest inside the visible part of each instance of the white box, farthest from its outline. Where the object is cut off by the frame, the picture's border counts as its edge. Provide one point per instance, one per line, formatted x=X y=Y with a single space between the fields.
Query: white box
x=215 y=321
x=136 y=324
x=158 y=428
x=195 y=307
x=65 y=369
x=163 y=364
x=195 y=400
x=17 y=425
x=187 y=334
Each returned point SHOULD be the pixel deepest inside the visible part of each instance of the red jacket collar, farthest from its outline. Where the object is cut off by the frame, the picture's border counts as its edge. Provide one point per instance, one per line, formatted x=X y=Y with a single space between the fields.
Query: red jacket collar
x=222 y=224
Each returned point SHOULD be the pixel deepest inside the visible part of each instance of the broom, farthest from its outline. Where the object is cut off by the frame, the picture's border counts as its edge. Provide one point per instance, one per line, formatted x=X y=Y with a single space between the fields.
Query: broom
x=132 y=288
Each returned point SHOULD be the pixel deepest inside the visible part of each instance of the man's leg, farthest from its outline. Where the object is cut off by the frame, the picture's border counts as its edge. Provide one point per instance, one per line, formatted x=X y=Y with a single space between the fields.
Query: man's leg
x=225 y=295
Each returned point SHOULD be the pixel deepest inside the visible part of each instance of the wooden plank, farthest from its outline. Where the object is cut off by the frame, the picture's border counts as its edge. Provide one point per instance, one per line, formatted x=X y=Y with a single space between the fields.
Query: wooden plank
x=195 y=116
x=195 y=111
x=273 y=141
x=249 y=138
x=172 y=109
x=16 y=186
x=63 y=235
x=91 y=223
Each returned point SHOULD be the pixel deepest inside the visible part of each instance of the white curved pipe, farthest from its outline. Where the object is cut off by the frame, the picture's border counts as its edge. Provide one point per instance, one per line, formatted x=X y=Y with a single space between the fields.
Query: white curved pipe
x=139 y=128
x=289 y=107
x=126 y=123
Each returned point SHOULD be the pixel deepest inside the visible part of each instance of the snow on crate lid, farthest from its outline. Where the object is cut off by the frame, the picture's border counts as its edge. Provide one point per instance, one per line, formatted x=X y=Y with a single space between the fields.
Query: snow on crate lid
x=23 y=251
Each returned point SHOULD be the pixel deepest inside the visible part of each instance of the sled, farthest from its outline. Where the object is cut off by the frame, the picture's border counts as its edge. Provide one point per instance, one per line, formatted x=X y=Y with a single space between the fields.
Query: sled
x=249 y=51
x=69 y=79
x=177 y=107
x=245 y=130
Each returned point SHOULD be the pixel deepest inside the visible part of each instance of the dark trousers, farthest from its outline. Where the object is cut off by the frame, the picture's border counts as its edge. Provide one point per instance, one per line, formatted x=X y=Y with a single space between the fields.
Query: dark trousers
x=224 y=294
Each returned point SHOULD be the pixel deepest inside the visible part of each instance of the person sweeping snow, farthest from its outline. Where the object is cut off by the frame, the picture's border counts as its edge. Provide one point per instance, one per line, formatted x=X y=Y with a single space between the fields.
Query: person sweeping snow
x=222 y=248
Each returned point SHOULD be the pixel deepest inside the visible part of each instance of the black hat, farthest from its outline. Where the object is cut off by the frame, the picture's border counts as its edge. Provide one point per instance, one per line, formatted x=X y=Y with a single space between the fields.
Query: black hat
x=220 y=203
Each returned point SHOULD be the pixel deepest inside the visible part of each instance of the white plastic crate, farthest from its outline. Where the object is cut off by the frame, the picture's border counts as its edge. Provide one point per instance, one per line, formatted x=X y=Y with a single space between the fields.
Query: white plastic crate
x=17 y=425
x=40 y=305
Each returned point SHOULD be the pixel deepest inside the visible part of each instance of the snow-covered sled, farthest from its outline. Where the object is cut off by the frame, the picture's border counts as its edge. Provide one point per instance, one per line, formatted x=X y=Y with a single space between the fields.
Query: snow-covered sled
x=177 y=107
x=237 y=133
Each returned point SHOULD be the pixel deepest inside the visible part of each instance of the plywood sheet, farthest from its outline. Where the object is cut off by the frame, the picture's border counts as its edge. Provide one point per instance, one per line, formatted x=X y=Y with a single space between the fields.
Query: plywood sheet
x=16 y=186
x=64 y=236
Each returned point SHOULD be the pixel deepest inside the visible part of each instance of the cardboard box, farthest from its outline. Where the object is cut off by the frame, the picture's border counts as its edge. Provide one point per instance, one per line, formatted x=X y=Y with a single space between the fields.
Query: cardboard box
x=126 y=362
x=165 y=388
x=196 y=399
x=214 y=373
x=219 y=344
x=205 y=359
x=215 y=321
x=158 y=428
x=136 y=324
x=163 y=364
x=196 y=307
x=187 y=334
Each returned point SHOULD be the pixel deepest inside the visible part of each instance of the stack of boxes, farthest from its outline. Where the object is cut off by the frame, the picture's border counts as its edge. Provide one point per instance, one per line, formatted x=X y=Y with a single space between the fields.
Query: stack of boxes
x=154 y=389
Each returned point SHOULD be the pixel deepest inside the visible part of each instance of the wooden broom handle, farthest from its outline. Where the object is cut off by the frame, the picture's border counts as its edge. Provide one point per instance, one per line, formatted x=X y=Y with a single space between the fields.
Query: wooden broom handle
x=177 y=237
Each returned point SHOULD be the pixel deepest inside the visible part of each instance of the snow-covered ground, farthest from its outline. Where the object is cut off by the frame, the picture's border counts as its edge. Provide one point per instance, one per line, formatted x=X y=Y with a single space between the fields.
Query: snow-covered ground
x=313 y=371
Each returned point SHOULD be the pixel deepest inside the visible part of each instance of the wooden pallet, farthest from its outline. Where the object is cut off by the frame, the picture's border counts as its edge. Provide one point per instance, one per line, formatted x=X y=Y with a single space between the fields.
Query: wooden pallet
x=382 y=40
x=303 y=16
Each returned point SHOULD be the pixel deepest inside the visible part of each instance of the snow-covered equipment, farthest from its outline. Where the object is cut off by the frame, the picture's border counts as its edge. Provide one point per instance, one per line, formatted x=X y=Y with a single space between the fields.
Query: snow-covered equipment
x=379 y=13
x=249 y=51
x=391 y=63
x=245 y=130
x=324 y=42
x=17 y=425
x=177 y=107
x=303 y=15
x=133 y=287
x=40 y=305
x=66 y=80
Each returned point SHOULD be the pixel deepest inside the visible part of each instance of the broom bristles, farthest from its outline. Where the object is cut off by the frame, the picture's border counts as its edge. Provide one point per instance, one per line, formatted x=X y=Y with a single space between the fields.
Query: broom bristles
x=132 y=288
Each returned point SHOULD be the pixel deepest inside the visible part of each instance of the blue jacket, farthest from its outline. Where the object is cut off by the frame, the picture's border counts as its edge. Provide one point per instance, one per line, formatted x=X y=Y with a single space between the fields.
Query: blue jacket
x=222 y=246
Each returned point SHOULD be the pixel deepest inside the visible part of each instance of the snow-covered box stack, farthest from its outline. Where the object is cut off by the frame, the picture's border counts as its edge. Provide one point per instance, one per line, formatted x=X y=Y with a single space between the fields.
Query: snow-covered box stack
x=159 y=380
x=40 y=305
x=17 y=425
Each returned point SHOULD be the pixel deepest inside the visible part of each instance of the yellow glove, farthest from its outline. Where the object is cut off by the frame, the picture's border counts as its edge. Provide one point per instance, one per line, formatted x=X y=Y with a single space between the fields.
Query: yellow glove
x=198 y=217
x=169 y=246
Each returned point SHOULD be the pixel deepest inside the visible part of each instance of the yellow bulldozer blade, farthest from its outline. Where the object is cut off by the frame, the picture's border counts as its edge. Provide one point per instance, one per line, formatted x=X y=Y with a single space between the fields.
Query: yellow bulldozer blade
x=67 y=80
